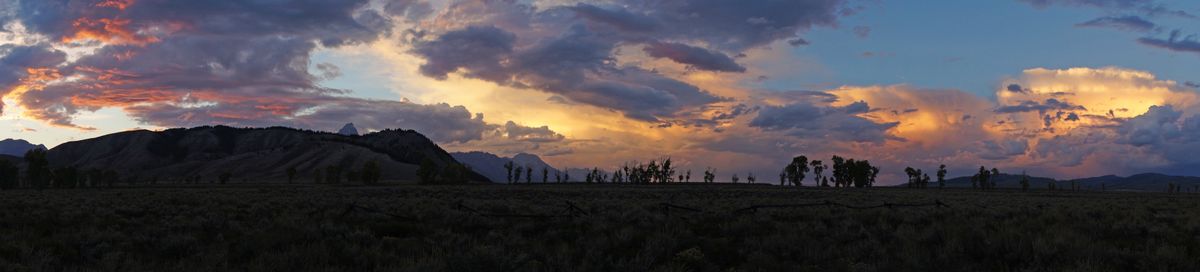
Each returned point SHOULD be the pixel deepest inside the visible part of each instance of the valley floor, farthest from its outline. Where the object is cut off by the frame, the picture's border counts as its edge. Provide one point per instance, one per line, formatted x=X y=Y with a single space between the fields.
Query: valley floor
x=595 y=228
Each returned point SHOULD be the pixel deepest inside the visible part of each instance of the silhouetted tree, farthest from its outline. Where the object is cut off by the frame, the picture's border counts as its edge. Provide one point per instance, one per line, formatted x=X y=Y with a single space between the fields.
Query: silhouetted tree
x=688 y=177
x=558 y=177
x=66 y=177
x=735 y=178
x=371 y=173
x=333 y=174
x=984 y=177
x=428 y=171
x=567 y=177
x=353 y=175
x=110 y=177
x=667 y=172
x=839 y=171
x=291 y=174
x=817 y=168
x=37 y=168
x=517 y=174
x=545 y=175
x=528 y=175
x=875 y=174
x=9 y=175
x=912 y=176
x=941 y=176
x=508 y=166
x=796 y=170
x=783 y=177
x=1024 y=182
x=750 y=178
x=455 y=173
x=710 y=174
x=95 y=178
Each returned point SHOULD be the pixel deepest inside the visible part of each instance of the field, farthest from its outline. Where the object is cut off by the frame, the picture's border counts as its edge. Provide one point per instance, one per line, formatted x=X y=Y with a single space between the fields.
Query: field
x=594 y=228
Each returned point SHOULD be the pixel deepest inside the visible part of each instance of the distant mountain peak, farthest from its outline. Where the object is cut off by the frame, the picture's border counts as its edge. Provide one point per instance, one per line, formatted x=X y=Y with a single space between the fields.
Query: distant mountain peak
x=349 y=130
x=17 y=147
x=492 y=166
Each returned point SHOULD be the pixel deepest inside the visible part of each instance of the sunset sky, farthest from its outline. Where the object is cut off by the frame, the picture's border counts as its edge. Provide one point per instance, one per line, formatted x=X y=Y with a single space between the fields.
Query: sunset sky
x=1058 y=88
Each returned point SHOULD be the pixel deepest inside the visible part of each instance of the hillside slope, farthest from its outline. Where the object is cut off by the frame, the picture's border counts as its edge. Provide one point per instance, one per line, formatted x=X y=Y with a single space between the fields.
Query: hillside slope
x=255 y=154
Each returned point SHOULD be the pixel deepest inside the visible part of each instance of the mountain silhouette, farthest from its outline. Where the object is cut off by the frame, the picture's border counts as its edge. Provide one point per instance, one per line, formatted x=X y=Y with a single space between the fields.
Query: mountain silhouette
x=17 y=147
x=348 y=130
x=492 y=166
x=253 y=154
x=1149 y=182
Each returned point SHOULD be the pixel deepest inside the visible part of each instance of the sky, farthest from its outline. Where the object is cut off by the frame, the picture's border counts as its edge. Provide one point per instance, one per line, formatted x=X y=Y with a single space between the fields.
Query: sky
x=1057 y=88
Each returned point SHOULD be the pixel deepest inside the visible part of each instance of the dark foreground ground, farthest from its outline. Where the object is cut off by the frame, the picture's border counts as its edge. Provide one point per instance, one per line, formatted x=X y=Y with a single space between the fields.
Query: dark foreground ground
x=594 y=228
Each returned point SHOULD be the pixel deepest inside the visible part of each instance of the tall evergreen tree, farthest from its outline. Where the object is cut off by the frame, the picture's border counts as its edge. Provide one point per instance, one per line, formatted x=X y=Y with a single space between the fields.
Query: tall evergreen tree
x=37 y=168
x=10 y=175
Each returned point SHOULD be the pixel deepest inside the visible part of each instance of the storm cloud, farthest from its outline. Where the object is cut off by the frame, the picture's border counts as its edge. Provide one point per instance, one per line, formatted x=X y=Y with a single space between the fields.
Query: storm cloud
x=571 y=51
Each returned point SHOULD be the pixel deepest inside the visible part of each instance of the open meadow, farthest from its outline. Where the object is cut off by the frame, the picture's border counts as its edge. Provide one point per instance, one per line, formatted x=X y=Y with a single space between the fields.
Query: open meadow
x=595 y=228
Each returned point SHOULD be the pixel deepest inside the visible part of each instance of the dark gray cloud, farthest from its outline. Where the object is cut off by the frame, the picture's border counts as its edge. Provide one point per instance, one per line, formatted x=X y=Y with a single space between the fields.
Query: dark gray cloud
x=479 y=50
x=1175 y=42
x=1016 y=88
x=578 y=65
x=1032 y=106
x=1093 y=3
x=16 y=60
x=242 y=63
x=692 y=56
x=807 y=120
x=571 y=51
x=1127 y=23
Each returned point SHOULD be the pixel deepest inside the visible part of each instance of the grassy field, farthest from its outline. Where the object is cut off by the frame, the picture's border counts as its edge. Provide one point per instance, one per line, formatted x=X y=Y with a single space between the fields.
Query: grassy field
x=594 y=228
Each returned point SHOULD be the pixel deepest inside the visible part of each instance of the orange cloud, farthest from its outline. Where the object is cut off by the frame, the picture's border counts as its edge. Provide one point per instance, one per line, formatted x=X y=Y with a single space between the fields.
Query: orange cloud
x=117 y=4
x=121 y=98
x=106 y=30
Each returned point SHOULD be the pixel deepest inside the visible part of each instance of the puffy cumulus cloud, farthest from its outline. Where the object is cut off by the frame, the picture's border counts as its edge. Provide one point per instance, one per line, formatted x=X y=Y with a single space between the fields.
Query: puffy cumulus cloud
x=1082 y=120
x=1073 y=122
x=1095 y=96
x=530 y=134
x=572 y=51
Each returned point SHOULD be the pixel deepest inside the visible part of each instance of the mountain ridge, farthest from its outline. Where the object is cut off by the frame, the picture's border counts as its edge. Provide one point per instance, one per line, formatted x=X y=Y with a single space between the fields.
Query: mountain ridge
x=492 y=165
x=259 y=154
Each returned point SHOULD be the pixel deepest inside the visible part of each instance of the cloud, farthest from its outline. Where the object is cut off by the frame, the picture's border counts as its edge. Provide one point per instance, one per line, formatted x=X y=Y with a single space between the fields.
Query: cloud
x=531 y=134
x=697 y=57
x=812 y=121
x=573 y=51
x=26 y=65
x=1147 y=7
x=862 y=31
x=1127 y=23
x=1174 y=42
x=186 y=63
x=1041 y=107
